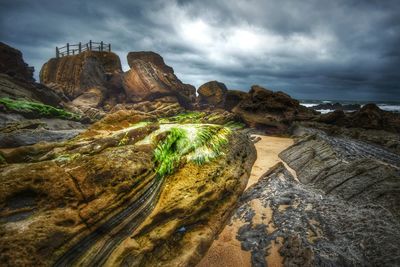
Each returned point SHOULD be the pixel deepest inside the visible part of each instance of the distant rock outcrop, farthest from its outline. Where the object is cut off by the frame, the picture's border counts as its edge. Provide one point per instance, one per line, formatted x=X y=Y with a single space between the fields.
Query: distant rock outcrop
x=12 y=64
x=212 y=94
x=337 y=106
x=369 y=116
x=150 y=78
x=86 y=78
x=274 y=111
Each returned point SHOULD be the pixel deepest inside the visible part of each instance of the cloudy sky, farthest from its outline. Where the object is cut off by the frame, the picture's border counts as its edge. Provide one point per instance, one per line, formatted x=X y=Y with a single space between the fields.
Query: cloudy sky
x=311 y=49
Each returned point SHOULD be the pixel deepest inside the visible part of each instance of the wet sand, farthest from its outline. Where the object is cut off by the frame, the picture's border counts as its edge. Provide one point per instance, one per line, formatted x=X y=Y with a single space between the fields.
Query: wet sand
x=226 y=250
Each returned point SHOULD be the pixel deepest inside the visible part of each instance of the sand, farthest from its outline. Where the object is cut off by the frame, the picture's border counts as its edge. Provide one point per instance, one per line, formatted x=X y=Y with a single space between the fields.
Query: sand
x=226 y=250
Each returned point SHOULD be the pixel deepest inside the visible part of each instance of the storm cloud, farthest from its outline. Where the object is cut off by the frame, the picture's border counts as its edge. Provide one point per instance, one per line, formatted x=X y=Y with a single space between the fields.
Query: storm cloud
x=311 y=49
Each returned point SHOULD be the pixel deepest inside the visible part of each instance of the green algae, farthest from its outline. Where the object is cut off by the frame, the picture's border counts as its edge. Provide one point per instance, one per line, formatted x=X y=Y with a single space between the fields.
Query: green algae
x=196 y=143
x=24 y=106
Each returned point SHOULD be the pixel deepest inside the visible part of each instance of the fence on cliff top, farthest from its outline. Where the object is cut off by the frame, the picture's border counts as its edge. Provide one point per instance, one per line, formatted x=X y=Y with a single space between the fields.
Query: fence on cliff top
x=74 y=49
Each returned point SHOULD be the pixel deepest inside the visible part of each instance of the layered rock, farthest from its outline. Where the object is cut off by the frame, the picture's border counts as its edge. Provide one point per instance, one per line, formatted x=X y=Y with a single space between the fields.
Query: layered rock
x=150 y=78
x=274 y=111
x=212 y=94
x=30 y=112
x=86 y=78
x=84 y=199
x=284 y=222
x=350 y=169
x=12 y=63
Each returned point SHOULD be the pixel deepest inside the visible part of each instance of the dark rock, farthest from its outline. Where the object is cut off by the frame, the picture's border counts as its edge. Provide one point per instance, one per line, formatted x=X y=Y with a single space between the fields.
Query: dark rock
x=315 y=229
x=213 y=94
x=233 y=98
x=369 y=116
x=347 y=168
x=337 y=106
x=12 y=63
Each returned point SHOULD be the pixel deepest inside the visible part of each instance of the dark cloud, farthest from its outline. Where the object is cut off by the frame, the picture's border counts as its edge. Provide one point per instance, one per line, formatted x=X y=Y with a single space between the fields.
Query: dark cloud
x=343 y=49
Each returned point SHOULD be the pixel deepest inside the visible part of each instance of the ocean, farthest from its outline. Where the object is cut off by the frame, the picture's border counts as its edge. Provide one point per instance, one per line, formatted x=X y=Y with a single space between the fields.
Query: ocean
x=392 y=106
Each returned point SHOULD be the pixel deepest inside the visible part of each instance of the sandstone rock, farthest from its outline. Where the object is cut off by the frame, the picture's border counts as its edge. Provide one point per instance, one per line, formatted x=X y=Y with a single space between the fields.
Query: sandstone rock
x=212 y=94
x=150 y=78
x=233 y=98
x=12 y=63
x=85 y=75
x=99 y=187
x=273 y=111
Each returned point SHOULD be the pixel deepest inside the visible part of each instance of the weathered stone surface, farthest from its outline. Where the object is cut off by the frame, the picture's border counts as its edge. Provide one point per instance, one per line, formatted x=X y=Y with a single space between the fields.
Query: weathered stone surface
x=273 y=111
x=182 y=226
x=81 y=75
x=350 y=169
x=287 y=222
x=62 y=202
x=12 y=63
x=150 y=78
x=212 y=94
x=233 y=98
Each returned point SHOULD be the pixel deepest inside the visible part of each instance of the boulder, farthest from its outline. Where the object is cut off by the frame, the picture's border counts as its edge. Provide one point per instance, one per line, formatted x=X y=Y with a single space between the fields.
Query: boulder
x=213 y=94
x=150 y=78
x=12 y=63
x=233 y=98
x=272 y=111
x=89 y=76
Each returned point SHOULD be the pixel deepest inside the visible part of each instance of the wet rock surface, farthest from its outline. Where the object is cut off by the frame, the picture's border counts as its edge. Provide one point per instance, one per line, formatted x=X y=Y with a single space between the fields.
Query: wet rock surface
x=80 y=201
x=311 y=228
x=353 y=170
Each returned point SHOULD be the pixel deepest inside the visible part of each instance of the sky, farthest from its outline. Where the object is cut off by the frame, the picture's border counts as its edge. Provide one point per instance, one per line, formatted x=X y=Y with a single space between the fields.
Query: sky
x=310 y=49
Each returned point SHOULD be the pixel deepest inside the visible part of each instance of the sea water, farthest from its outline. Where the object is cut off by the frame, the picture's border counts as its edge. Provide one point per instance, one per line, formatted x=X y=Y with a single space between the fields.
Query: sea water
x=384 y=105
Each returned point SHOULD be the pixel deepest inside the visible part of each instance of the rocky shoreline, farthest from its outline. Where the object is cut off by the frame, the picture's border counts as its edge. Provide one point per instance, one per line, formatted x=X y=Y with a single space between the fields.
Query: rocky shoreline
x=100 y=167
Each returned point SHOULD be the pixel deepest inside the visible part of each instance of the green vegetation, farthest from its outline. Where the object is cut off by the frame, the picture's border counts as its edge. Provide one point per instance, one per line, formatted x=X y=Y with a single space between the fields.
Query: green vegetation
x=25 y=106
x=186 y=117
x=197 y=143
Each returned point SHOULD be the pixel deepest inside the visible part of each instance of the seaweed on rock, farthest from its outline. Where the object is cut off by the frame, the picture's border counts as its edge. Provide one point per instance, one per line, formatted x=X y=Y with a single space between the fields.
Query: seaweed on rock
x=24 y=106
x=197 y=143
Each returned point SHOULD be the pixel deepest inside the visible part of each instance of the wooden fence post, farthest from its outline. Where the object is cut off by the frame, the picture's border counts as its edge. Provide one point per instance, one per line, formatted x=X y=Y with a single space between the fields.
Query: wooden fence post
x=80 y=47
x=109 y=47
x=67 y=49
x=101 y=46
x=90 y=45
x=57 y=52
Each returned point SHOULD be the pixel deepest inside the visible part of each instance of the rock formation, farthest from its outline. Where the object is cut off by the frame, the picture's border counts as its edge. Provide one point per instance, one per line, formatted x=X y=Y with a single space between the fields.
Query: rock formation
x=369 y=116
x=337 y=106
x=30 y=112
x=150 y=78
x=212 y=94
x=233 y=98
x=65 y=191
x=12 y=63
x=83 y=78
x=273 y=111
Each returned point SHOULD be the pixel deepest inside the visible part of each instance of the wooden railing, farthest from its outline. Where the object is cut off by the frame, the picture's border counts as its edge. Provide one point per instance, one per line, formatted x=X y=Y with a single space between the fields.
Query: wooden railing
x=74 y=49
